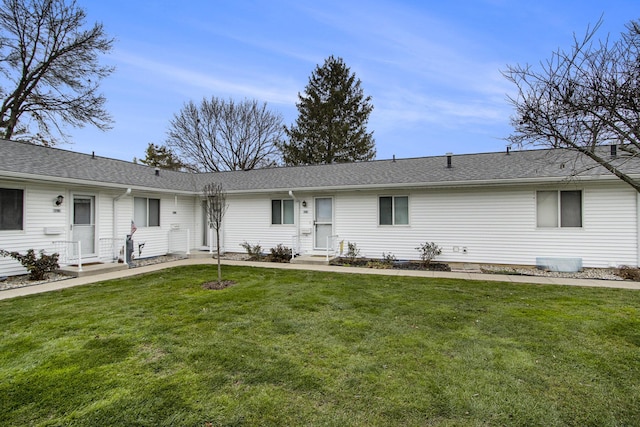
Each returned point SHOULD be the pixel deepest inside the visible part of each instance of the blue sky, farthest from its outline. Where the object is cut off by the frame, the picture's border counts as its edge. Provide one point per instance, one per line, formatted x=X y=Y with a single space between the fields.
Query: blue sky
x=432 y=68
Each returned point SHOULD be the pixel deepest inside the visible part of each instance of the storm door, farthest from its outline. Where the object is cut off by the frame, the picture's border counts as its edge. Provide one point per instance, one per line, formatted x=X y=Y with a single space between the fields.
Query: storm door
x=323 y=222
x=83 y=224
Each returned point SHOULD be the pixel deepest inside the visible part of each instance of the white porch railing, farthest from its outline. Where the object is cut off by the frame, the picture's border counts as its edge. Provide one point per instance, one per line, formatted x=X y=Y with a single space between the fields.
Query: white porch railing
x=69 y=252
x=332 y=246
x=110 y=249
x=180 y=241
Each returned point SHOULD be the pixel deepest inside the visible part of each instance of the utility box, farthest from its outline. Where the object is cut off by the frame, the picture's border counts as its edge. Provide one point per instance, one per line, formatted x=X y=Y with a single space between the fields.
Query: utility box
x=128 y=252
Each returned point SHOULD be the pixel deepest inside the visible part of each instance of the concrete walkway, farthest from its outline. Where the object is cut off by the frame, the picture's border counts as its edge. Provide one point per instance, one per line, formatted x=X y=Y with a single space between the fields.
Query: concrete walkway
x=68 y=283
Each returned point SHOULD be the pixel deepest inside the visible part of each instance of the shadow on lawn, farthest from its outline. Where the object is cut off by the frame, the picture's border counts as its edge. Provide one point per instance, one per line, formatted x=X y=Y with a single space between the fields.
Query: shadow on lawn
x=217 y=286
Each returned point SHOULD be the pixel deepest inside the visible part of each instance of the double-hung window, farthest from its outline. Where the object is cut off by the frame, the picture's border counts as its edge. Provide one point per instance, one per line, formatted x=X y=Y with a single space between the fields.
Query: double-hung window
x=282 y=211
x=146 y=212
x=11 y=209
x=559 y=208
x=393 y=210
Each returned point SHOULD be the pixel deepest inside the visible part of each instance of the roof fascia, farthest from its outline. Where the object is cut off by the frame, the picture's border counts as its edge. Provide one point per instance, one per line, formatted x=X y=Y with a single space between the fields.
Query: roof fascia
x=438 y=185
x=434 y=185
x=25 y=177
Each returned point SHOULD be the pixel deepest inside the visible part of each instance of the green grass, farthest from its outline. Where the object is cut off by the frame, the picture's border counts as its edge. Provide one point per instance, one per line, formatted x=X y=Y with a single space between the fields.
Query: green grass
x=307 y=348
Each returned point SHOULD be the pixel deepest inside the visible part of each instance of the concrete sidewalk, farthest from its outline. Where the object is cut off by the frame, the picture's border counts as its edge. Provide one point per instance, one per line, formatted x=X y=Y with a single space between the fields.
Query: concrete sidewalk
x=68 y=283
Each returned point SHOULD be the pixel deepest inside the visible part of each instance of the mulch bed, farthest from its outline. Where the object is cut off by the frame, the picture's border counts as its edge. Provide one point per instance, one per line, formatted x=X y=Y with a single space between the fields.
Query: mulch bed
x=434 y=266
x=396 y=265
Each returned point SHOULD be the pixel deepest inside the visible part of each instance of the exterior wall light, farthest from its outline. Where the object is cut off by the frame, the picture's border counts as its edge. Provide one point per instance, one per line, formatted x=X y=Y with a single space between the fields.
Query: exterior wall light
x=59 y=200
x=304 y=203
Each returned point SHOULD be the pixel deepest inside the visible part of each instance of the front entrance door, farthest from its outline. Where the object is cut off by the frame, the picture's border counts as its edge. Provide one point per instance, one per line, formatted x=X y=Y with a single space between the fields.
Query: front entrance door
x=83 y=224
x=323 y=222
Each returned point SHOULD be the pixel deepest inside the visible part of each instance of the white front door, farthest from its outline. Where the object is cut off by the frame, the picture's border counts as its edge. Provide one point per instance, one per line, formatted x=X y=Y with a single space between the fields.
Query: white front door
x=323 y=222
x=83 y=224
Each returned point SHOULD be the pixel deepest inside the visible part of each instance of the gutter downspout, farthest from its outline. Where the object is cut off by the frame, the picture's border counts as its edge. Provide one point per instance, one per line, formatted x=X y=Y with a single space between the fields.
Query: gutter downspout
x=115 y=221
x=297 y=220
x=115 y=199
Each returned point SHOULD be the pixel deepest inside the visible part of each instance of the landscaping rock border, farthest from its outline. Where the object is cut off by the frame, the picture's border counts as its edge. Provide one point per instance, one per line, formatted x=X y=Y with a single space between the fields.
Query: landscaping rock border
x=587 y=273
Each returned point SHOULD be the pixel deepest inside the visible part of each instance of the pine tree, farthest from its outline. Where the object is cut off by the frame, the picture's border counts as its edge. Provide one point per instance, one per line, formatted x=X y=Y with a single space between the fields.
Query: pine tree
x=162 y=157
x=331 y=125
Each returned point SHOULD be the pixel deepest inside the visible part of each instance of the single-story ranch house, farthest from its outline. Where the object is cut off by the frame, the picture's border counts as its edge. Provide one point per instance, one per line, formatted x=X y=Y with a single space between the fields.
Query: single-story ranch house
x=513 y=207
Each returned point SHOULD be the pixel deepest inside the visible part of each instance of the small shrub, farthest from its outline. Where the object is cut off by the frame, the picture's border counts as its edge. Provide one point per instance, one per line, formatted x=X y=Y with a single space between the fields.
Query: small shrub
x=352 y=252
x=428 y=251
x=386 y=262
x=38 y=268
x=629 y=273
x=389 y=258
x=280 y=253
x=254 y=251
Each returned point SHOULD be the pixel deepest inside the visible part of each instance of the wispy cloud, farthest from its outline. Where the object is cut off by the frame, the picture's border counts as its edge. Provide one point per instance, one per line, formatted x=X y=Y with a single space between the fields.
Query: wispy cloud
x=404 y=108
x=263 y=87
x=421 y=69
x=432 y=68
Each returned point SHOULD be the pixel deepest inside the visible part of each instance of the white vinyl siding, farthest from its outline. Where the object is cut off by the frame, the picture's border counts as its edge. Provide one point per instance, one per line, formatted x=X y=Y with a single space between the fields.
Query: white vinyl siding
x=39 y=215
x=248 y=219
x=496 y=226
x=45 y=223
x=176 y=216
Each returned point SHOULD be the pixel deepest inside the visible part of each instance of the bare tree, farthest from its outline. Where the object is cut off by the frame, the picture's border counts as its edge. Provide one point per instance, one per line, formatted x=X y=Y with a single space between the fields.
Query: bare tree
x=49 y=69
x=216 y=206
x=220 y=135
x=582 y=99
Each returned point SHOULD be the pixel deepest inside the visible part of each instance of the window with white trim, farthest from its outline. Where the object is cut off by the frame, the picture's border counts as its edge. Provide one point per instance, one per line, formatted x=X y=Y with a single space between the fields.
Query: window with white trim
x=146 y=212
x=11 y=208
x=282 y=211
x=559 y=208
x=393 y=210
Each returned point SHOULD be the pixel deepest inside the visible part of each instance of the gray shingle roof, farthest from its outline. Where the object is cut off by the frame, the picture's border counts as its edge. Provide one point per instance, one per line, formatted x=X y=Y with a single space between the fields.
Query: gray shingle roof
x=467 y=169
x=18 y=157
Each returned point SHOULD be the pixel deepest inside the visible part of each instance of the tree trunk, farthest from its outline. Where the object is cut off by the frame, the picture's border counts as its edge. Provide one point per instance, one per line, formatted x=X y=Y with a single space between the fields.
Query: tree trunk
x=218 y=253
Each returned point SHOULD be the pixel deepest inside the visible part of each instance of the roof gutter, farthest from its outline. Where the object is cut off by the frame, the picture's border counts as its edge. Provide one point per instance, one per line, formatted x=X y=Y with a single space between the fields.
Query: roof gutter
x=443 y=184
x=126 y=193
x=436 y=185
x=85 y=183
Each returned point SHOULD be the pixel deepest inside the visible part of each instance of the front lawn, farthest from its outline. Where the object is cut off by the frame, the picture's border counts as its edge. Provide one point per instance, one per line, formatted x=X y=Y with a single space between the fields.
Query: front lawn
x=289 y=348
